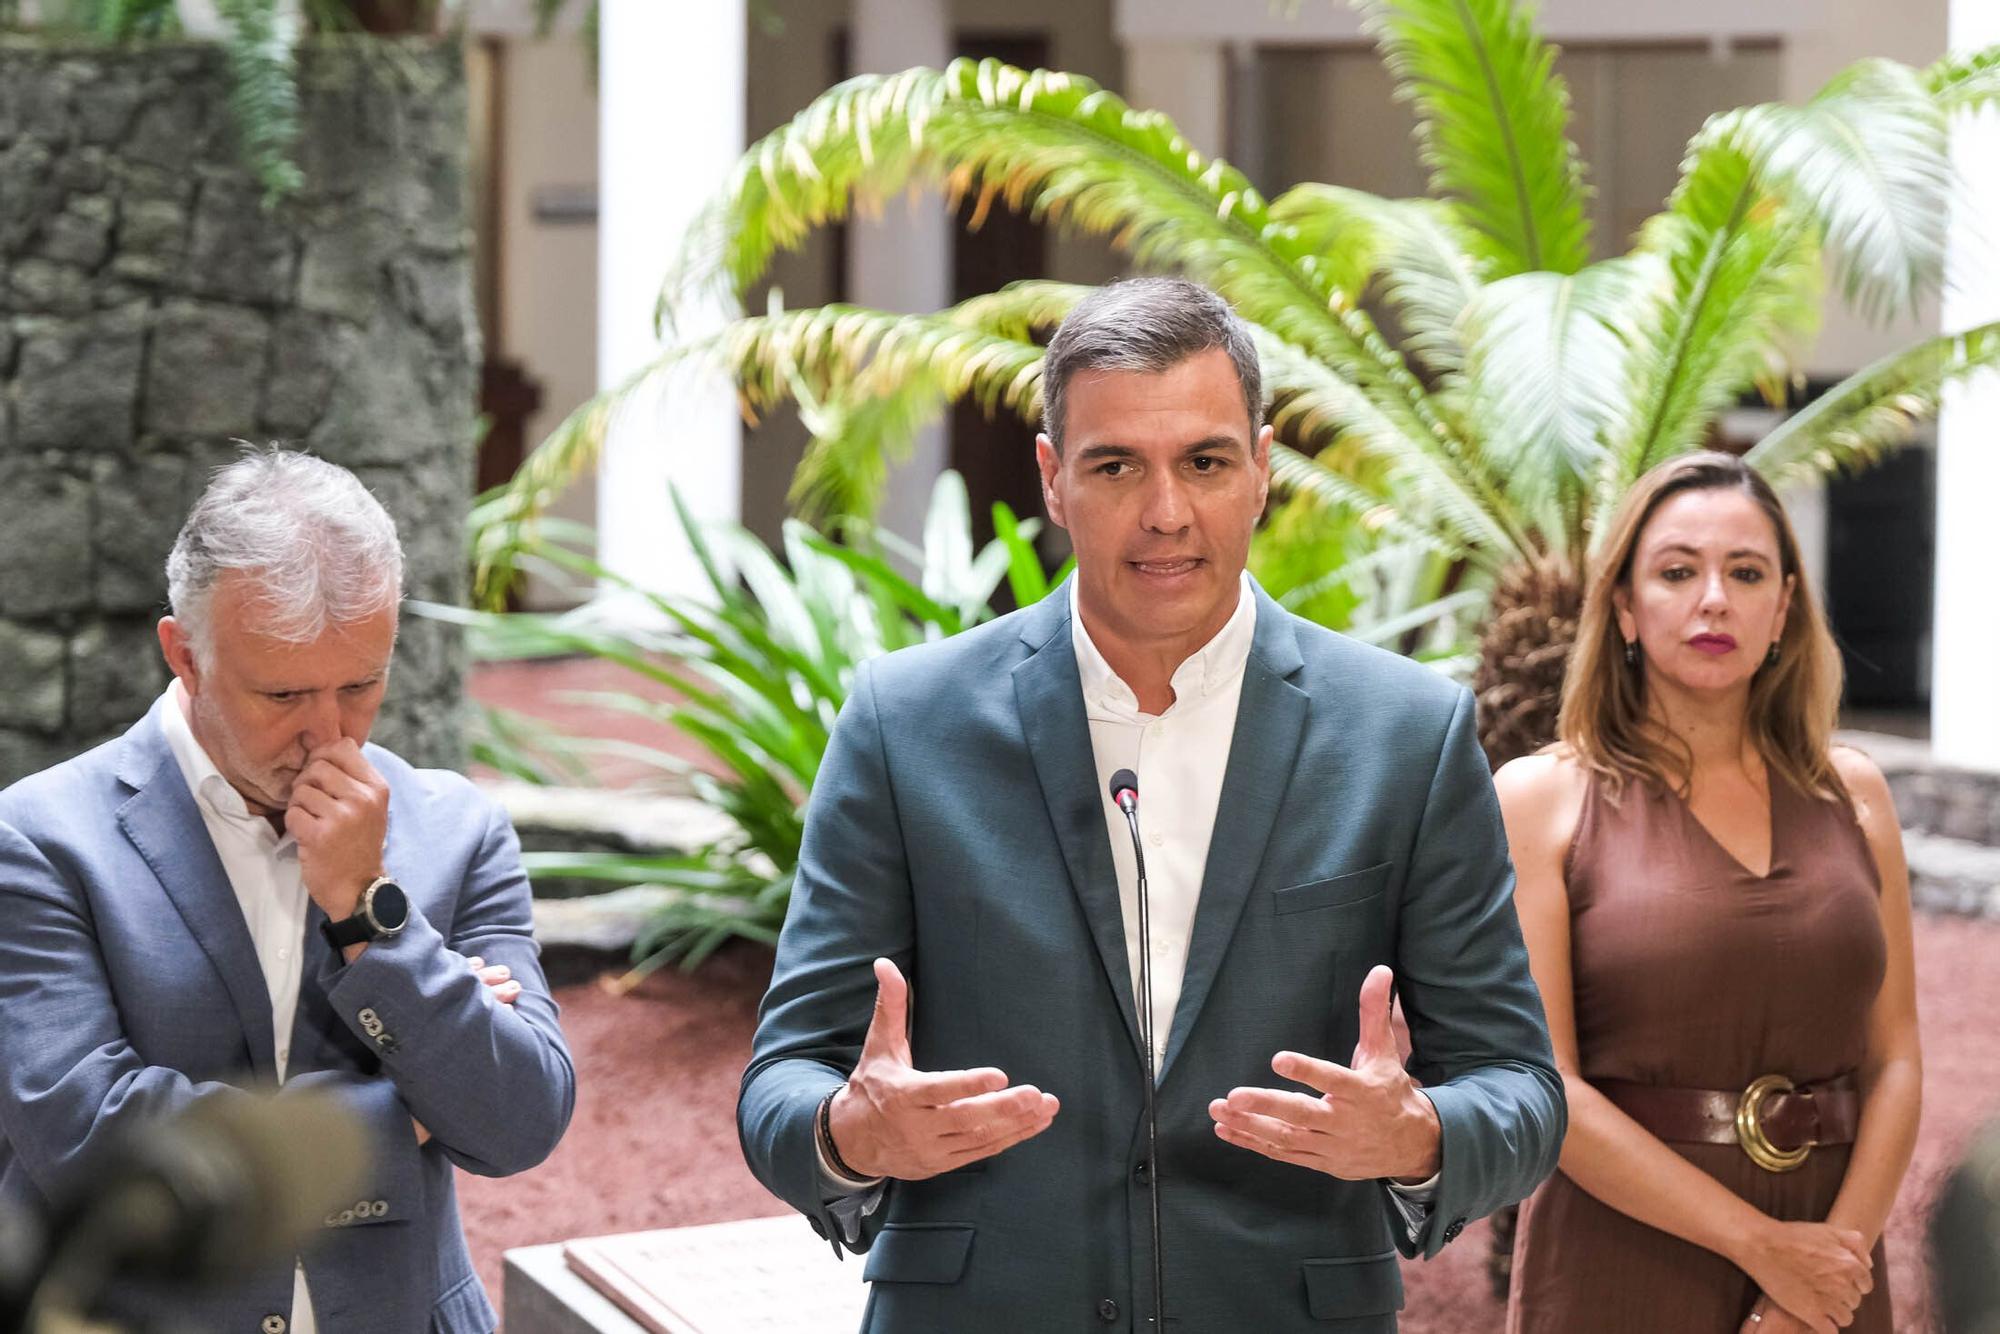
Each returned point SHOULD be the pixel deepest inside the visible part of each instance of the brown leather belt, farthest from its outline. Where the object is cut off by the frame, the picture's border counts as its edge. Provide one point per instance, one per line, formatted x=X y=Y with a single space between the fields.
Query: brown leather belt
x=1776 y=1125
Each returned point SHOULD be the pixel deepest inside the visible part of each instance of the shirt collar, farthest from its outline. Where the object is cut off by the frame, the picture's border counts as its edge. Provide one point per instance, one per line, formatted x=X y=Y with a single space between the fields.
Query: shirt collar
x=1213 y=667
x=204 y=780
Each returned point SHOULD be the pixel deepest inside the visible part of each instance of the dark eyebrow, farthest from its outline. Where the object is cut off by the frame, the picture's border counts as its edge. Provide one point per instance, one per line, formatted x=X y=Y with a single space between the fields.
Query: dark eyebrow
x=1741 y=553
x=1214 y=444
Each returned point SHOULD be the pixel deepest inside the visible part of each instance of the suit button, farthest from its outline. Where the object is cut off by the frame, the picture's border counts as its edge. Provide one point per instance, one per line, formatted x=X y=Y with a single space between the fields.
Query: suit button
x=1457 y=1226
x=1143 y=1172
x=1107 y=1310
x=273 y=1324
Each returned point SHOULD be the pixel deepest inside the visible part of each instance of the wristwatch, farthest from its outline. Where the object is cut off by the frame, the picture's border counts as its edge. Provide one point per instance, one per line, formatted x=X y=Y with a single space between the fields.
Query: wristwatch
x=383 y=910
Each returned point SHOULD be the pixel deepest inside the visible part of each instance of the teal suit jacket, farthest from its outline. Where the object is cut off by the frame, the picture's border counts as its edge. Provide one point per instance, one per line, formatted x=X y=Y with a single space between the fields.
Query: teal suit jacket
x=956 y=827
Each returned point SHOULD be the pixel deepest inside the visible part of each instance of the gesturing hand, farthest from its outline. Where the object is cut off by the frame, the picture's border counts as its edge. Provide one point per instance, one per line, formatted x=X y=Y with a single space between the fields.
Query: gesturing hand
x=893 y=1120
x=1369 y=1120
x=340 y=815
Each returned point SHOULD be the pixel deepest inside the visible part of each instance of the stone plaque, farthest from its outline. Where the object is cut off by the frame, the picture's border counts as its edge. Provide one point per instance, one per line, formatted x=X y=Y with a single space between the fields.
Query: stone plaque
x=757 y=1276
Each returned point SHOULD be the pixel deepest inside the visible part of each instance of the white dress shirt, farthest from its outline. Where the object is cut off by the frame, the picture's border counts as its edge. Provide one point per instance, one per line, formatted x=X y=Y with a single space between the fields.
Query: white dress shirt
x=1179 y=757
x=263 y=870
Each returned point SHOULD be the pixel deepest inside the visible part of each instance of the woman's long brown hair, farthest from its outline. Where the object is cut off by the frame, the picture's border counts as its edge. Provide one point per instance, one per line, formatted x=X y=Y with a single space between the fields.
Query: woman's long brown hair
x=1793 y=703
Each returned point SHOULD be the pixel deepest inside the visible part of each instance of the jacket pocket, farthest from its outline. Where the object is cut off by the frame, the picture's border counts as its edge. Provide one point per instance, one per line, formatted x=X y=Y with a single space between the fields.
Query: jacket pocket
x=918 y=1253
x=1355 y=1285
x=463 y=1309
x=1350 y=888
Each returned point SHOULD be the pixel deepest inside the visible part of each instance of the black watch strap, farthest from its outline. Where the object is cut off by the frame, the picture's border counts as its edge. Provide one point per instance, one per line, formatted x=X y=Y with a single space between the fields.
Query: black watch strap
x=354 y=931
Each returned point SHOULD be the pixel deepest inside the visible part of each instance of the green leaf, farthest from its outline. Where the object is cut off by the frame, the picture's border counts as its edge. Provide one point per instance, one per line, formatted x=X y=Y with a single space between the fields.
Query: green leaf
x=1552 y=370
x=1492 y=125
x=1866 y=161
x=1966 y=82
x=1063 y=150
x=1745 y=276
x=1426 y=264
x=1857 y=420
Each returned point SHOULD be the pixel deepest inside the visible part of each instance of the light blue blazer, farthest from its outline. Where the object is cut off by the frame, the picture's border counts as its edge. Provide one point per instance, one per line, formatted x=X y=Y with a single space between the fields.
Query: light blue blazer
x=957 y=826
x=129 y=985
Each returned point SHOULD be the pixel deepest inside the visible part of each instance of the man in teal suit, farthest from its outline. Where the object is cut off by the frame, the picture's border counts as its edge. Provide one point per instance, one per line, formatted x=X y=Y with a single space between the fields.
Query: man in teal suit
x=1318 y=827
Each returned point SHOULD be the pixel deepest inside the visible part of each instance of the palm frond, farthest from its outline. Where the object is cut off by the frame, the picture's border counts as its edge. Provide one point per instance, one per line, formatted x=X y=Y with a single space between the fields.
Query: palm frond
x=1302 y=477
x=1553 y=376
x=1866 y=161
x=1413 y=250
x=263 y=95
x=1871 y=411
x=1314 y=407
x=1966 y=82
x=1745 y=286
x=869 y=375
x=1492 y=125
x=1063 y=150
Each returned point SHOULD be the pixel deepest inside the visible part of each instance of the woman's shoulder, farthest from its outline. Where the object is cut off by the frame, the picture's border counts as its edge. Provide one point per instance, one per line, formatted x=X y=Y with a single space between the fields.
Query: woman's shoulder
x=1874 y=806
x=1542 y=795
x=1550 y=774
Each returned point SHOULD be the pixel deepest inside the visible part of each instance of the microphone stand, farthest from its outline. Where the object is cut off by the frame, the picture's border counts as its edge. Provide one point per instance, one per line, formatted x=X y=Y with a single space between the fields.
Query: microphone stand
x=1125 y=791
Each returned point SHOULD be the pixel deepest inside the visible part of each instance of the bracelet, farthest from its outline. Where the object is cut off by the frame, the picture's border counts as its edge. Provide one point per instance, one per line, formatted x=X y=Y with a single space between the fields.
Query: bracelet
x=833 y=1158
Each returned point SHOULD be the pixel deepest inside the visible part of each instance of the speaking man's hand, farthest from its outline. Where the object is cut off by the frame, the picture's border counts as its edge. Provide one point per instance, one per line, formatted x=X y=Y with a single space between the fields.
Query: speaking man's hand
x=1369 y=1121
x=893 y=1120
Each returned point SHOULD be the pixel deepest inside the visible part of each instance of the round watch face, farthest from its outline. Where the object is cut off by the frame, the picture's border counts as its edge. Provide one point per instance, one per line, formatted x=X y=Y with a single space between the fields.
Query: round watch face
x=389 y=906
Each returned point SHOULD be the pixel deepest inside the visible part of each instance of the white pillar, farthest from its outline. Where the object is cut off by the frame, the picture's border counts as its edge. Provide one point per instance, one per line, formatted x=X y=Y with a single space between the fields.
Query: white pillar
x=1965 y=676
x=671 y=97
x=901 y=261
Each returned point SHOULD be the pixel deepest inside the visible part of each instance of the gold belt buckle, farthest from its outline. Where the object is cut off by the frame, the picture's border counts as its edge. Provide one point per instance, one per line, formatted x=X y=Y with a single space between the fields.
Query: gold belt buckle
x=1757 y=1145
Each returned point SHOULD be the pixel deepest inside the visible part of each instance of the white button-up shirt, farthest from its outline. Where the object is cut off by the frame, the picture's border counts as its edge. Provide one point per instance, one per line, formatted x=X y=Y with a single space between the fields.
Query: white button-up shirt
x=263 y=870
x=1179 y=757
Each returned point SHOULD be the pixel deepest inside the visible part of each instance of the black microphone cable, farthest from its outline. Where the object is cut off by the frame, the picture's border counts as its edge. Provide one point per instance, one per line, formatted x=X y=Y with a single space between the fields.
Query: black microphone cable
x=1125 y=795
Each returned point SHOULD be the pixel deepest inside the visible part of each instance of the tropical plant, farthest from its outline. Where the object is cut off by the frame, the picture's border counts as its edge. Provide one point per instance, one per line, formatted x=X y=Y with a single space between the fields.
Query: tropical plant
x=755 y=676
x=1453 y=371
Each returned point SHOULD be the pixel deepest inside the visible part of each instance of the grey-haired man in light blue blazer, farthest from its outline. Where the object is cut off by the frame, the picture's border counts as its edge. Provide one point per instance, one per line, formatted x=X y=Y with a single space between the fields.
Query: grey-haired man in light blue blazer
x=241 y=891
x=950 y=1065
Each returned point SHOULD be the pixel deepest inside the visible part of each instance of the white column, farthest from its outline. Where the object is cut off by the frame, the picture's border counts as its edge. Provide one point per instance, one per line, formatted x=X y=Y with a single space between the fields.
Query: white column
x=1965 y=676
x=671 y=97
x=901 y=261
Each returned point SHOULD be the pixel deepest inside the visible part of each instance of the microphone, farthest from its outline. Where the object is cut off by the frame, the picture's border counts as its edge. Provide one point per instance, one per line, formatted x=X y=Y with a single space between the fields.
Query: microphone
x=1125 y=796
x=233 y=1183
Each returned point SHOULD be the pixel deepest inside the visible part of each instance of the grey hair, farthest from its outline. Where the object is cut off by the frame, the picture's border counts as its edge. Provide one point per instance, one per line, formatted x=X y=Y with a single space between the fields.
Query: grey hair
x=1151 y=325
x=322 y=547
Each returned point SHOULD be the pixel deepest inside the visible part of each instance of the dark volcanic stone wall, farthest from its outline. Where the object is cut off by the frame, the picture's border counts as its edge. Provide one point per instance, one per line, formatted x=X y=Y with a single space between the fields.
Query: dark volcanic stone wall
x=152 y=310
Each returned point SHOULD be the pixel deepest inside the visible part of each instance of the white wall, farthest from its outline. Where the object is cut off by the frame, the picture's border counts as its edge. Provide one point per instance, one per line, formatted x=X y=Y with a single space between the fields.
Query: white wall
x=548 y=295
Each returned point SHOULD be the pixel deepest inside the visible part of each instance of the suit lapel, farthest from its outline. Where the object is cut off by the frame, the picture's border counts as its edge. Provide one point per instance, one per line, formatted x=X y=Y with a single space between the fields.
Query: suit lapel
x=1270 y=726
x=1049 y=695
x=164 y=824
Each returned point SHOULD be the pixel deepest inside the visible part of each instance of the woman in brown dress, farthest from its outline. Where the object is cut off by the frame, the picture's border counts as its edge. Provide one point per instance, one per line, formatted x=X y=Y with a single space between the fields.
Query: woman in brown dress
x=1717 y=910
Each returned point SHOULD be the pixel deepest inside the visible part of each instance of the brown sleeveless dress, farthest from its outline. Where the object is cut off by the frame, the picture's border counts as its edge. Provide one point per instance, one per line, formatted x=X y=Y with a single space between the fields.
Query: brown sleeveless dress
x=1691 y=972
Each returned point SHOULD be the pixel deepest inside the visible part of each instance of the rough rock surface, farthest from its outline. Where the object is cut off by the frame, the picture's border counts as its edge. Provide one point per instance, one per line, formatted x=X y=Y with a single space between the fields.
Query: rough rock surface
x=153 y=310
